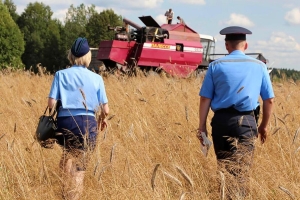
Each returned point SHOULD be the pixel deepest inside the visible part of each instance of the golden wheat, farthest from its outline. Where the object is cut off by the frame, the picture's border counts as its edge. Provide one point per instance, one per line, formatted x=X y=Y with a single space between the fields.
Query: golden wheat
x=287 y=192
x=151 y=129
x=185 y=176
x=222 y=186
x=154 y=175
x=171 y=177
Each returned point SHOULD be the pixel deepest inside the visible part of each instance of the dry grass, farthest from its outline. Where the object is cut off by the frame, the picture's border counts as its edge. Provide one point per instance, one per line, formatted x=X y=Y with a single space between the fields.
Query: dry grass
x=152 y=123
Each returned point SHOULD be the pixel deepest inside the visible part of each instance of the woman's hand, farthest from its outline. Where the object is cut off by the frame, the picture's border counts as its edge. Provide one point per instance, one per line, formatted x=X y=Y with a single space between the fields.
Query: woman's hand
x=102 y=124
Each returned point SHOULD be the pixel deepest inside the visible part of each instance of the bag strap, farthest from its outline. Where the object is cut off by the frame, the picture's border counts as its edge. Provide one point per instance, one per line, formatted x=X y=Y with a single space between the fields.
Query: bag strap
x=46 y=110
x=53 y=111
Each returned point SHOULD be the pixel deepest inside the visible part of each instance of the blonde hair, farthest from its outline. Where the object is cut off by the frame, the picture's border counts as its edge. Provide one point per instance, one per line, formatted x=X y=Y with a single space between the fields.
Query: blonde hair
x=83 y=60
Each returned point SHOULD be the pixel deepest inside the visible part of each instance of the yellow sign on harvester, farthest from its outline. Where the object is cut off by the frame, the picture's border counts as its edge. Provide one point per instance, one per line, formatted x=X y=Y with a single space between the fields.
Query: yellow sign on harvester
x=161 y=46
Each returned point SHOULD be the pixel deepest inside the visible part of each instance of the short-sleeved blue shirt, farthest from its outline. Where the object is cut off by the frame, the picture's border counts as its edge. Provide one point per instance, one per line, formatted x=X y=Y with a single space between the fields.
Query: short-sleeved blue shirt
x=68 y=86
x=236 y=80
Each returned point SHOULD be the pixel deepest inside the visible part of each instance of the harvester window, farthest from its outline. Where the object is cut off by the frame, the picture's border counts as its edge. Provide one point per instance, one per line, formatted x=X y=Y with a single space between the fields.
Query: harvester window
x=179 y=47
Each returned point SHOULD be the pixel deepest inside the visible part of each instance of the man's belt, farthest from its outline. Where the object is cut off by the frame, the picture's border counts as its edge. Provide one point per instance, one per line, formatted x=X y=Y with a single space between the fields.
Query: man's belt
x=234 y=111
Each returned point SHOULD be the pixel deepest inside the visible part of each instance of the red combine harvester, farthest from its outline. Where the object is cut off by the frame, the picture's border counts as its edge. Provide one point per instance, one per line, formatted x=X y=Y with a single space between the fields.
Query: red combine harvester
x=173 y=48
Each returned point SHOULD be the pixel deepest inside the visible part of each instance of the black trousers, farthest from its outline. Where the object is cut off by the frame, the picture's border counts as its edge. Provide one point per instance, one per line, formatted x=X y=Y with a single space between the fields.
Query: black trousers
x=233 y=136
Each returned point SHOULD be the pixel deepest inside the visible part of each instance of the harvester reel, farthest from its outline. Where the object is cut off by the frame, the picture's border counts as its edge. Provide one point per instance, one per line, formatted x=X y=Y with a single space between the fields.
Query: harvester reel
x=153 y=33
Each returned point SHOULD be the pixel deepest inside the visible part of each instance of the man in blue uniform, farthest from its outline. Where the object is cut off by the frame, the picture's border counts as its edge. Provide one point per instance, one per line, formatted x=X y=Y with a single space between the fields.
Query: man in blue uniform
x=231 y=88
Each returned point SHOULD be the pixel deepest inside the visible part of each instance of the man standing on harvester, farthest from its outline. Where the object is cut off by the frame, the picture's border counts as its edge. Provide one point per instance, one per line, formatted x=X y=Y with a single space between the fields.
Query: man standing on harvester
x=169 y=14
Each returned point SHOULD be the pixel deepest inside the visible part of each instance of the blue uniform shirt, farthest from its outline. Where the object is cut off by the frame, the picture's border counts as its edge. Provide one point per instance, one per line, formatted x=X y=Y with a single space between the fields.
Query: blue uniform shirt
x=66 y=87
x=236 y=80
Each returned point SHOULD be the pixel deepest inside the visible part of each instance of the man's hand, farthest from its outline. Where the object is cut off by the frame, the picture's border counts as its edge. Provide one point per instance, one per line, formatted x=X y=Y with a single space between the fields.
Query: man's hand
x=199 y=136
x=267 y=110
x=263 y=134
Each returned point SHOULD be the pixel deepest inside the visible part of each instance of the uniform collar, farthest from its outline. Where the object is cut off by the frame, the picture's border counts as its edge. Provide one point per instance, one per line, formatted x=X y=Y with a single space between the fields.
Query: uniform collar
x=78 y=66
x=237 y=52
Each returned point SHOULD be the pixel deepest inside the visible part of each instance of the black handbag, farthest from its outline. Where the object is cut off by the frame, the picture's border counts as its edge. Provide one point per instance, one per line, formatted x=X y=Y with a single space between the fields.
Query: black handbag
x=46 y=127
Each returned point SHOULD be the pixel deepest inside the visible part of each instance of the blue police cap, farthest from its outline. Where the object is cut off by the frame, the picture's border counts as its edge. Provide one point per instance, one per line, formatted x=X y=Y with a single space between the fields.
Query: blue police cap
x=235 y=33
x=80 y=47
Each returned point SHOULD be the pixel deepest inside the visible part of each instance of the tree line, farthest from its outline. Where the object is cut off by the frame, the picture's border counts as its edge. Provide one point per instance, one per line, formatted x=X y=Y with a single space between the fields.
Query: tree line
x=35 y=37
x=285 y=74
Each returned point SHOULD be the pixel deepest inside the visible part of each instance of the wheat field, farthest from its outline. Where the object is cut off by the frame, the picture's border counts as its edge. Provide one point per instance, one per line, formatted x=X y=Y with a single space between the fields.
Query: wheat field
x=149 y=149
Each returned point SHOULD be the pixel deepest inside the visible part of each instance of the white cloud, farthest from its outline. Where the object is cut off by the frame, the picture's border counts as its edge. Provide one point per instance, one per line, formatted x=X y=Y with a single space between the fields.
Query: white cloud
x=121 y=4
x=281 y=49
x=53 y=4
x=200 y=2
x=238 y=19
x=131 y=4
x=60 y=14
x=160 y=19
x=280 y=41
x=293 y=16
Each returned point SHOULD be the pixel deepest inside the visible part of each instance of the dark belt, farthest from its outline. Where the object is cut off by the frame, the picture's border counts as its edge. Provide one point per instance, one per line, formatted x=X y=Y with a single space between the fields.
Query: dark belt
x=234 y=111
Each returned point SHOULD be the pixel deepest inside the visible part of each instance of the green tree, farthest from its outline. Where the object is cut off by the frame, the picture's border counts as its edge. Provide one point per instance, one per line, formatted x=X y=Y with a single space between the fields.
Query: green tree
x=97 y=27
x=11 y=40
x=75 y=23
x=55 y=54
x=42 y=37
x=80 y=15
x=12 y=9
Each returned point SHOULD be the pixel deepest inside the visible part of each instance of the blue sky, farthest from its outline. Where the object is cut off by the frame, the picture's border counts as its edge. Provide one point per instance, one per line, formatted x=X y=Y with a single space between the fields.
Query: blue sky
x=275 y=24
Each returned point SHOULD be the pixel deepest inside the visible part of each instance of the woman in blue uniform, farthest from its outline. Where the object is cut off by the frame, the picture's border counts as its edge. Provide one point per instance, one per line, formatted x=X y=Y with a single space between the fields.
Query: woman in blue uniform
x=80 y=94
x=231 y=88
